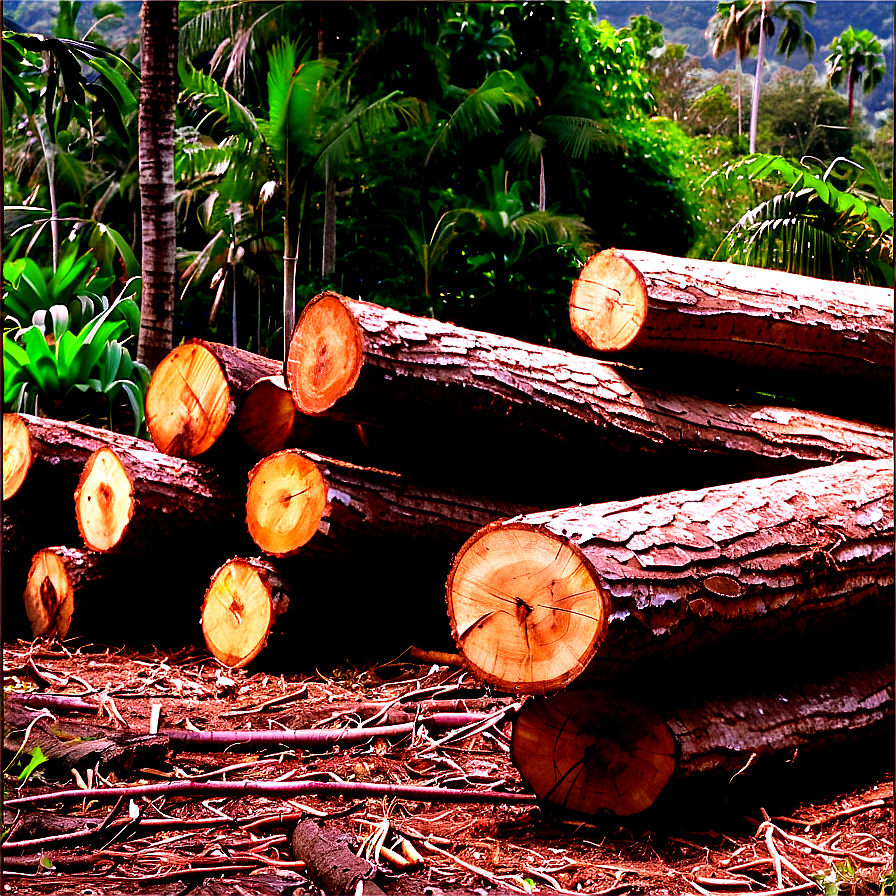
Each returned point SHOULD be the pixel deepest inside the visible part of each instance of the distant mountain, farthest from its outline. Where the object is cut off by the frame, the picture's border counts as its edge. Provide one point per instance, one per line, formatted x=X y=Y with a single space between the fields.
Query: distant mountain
x=685 y=23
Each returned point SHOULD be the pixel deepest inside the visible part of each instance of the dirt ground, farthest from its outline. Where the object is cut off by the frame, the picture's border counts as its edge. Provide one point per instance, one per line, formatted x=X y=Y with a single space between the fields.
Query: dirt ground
x=838 y=826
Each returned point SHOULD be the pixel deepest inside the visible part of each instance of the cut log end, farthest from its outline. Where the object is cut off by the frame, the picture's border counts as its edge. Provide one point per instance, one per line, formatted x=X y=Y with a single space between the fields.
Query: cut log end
x=285 y=502
x=188 y=403
x=238 y=612
x=589 y=752
x=16 y=453
x=608 y=304
x=526 y=609
x=325 y=354
x=266 y=415
x=48 y=596
x=104 y=501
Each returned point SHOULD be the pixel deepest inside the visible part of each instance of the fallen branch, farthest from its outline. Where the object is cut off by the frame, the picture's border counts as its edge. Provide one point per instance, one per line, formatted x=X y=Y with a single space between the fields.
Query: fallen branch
x=330 y=862
x=284 y=790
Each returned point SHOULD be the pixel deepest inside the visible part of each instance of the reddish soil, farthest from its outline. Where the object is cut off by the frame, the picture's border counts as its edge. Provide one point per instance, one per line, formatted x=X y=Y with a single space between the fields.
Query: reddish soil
x=716 y=844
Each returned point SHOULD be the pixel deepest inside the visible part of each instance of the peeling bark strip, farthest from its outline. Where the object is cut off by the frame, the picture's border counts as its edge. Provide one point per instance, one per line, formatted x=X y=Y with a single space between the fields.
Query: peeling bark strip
x=624 y=299
x=368 y=364
x=590 y=751
x=131 y=497
x=533 y=600
x=296 y=500
x=200 y=386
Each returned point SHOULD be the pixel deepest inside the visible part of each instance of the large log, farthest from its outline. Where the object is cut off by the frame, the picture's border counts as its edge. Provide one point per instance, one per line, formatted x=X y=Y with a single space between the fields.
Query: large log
x=536 y=600
x=591 y=751
x=131 y=498
x=368 y=364
x=298 y=501
x=200 y=387
x=625 y=299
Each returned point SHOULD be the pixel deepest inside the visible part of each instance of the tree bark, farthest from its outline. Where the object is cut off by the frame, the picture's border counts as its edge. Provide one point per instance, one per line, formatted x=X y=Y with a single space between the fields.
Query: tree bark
x=594 y=751
x=129 y=499
x=298 y=502
x=625 y=299
x=537 y=600
x=201 y=386
x=155 y=125
x=330 y=861
x=356 y=361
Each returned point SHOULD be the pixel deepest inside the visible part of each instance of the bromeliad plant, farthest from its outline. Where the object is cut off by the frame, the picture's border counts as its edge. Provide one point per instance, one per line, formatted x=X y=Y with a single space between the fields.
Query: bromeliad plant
x=86 y=375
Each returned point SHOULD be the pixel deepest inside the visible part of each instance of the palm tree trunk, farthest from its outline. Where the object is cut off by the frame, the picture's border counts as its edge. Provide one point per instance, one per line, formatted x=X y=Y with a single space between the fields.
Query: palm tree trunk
x=740 y=106
x=155 y=127
x=542 y=192
x=851 y=85
x=328 y=263
x=757 y=84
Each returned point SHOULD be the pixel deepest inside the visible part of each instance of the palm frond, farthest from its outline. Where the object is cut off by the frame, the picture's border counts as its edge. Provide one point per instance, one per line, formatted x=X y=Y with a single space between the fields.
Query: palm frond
x=205 y=89
x=577 y=136
x=480 y=111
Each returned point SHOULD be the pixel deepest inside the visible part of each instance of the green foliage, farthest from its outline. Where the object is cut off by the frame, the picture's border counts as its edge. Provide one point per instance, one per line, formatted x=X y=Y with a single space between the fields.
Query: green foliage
x=816 y=228
x=62 y=373
x=856 y=57
x=37 y=759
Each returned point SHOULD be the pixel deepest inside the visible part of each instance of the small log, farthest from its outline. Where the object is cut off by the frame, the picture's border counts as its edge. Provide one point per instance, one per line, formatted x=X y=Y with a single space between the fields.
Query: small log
x=589 y=752
x=200 y=386
x=241 y=603
x=69 y=591
x=372 y=365
x=536 y=600
x=626 y=299
x=330 y=861
x=131 y=498
x=297 y=500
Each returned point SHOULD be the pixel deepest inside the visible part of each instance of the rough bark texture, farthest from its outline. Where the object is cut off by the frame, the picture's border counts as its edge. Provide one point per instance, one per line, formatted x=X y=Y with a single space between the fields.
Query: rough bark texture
x=201 y=386
x=330 y=861
x=298 y=501
x=534 y=600
x=771 y=319
x=132 y=498
x=155 y=127
x=361 y=362
x=593 y=751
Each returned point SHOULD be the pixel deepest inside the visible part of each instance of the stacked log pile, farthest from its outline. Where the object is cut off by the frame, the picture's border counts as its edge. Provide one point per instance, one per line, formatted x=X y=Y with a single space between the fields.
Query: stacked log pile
x=595 y=529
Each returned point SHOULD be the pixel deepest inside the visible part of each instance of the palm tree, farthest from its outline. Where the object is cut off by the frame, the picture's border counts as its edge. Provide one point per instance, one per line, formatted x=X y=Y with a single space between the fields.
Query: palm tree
x=789 y=13
x=856 y=56
x=158 y=96
x=728 y=30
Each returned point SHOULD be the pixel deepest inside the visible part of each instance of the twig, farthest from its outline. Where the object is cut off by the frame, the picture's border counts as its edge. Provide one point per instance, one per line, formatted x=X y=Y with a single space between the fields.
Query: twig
x=777 y=858
x=283 y=790
x=301 y=693
x=487 y=875
x=874 y=804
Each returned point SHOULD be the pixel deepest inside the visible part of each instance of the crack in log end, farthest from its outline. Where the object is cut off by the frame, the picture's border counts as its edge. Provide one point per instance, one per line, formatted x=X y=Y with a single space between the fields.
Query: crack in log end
x=236 y=609
x=523 y=611
x=320 y=372
x=49 y=598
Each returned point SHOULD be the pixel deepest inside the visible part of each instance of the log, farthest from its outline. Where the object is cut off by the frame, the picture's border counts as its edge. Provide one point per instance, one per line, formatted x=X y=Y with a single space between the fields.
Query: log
x=594 y=751
x=245 y=596
x=372 y=365
x=536 y=600
x=70 y=591
x=298 y=501
x=330 y=861
x=200 y=386
x=626 y=299
x=130 y=499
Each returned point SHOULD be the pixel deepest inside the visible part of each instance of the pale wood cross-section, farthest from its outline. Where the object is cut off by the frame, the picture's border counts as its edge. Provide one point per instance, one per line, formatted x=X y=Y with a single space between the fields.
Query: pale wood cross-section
x=104 y=501
x=241 y=603
x=16 y=453
x=526 y=608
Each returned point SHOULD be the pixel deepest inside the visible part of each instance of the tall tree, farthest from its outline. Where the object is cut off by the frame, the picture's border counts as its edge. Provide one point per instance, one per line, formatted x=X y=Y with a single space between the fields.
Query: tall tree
x=789 y=15
x=855 y=57
x=155 y=134
x=729 y=30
